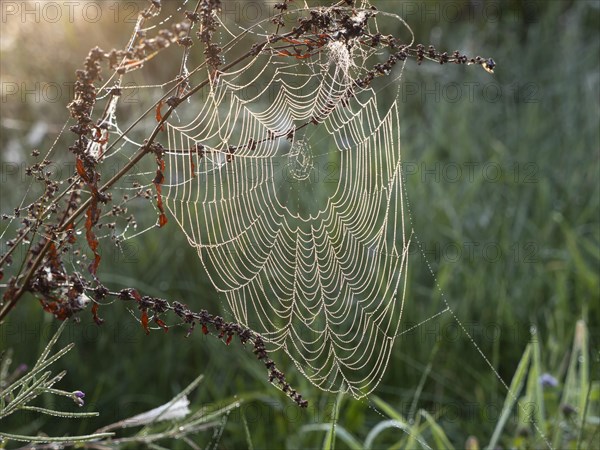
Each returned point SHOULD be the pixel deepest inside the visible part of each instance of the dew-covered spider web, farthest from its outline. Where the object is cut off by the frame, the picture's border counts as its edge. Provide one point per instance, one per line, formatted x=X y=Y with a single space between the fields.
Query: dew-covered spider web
x=284 y=173
x=288 y=184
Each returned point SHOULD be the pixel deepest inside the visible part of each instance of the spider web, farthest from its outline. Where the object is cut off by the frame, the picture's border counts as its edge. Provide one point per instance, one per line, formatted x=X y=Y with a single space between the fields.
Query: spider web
x=301 y=226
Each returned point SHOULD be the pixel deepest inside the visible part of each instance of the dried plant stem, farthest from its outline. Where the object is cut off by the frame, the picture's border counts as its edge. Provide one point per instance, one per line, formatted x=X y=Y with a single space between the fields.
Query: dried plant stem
x=24 y=284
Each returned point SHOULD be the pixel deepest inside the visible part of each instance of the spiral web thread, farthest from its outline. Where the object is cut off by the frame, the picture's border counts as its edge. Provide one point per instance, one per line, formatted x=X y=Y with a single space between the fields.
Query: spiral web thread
x=301 y=226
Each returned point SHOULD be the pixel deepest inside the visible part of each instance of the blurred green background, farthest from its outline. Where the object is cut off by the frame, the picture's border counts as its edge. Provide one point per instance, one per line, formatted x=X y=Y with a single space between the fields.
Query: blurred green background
x=502 y=175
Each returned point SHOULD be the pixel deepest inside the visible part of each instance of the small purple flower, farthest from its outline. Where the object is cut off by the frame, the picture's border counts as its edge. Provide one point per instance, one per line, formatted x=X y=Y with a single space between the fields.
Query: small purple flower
x=548 y=381
x=78 y=397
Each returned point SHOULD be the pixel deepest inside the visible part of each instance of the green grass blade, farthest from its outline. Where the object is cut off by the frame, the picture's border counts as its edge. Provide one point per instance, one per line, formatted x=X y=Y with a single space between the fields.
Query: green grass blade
x=340 y=431
x=581 y=342
x=247 y=431
x=535 y=373
x=39 y=366
x=46 y=439
x=26 y=394
x=441 y=440
x=46 y=352
x=511 y=397
x=398 y=421
x=382 y=426
x=424 y=376
x=388 y=409
x=64 y=414
x=329 y=442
